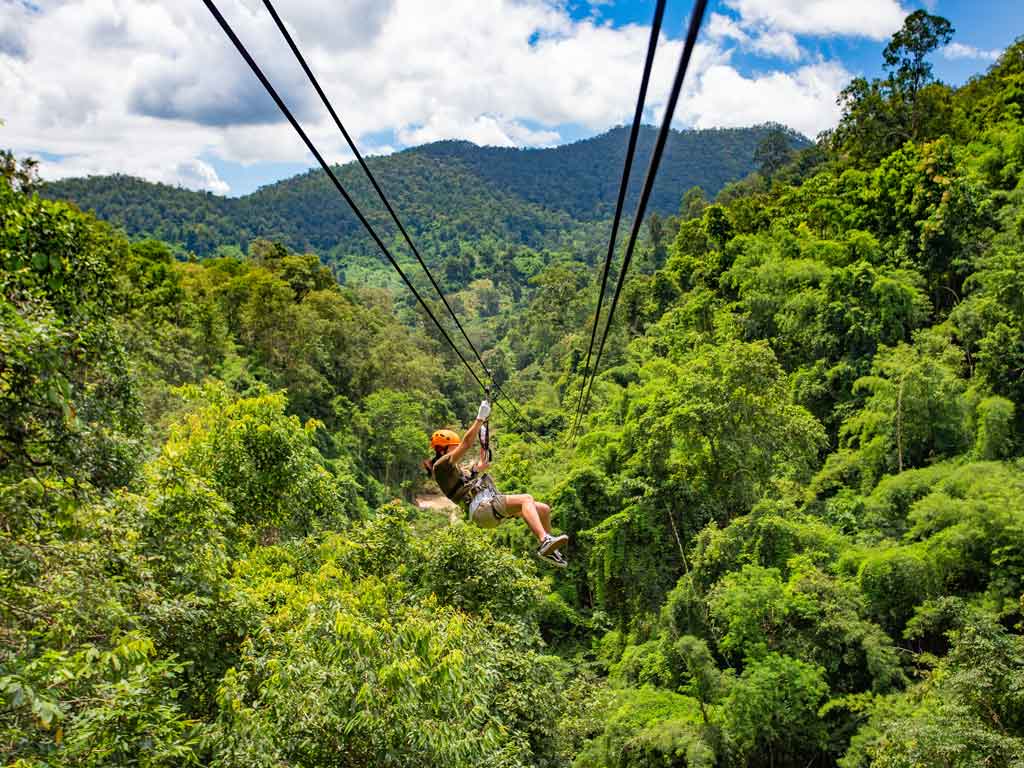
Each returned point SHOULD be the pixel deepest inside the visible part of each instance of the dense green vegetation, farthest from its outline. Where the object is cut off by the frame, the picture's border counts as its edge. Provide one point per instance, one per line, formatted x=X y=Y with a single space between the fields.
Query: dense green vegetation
x=797 y=506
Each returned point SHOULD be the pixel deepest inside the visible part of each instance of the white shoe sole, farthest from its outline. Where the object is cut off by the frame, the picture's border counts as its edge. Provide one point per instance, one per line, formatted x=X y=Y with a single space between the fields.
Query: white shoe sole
x=554 y=544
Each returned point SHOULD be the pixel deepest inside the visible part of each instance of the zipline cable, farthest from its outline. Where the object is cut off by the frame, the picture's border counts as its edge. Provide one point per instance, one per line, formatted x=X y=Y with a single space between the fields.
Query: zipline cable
x=334 y=179
x=634 y=132
x=696 y=18
x=380 y=193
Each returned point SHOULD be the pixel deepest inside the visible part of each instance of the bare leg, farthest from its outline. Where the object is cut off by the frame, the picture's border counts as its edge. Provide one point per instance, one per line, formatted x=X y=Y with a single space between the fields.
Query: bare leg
x=544 y=512
x=522 y=505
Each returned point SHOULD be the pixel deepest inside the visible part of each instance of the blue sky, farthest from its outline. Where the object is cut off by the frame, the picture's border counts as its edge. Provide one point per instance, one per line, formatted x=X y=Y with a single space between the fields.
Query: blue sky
x=154 y=90
x=983 y=24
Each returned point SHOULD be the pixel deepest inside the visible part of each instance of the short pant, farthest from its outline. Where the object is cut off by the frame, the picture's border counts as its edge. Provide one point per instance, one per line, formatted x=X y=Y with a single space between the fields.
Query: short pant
x=487 y=509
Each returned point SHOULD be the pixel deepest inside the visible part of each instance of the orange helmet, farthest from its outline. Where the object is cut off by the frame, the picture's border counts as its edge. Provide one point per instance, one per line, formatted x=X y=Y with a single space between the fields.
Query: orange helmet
x=442 y=438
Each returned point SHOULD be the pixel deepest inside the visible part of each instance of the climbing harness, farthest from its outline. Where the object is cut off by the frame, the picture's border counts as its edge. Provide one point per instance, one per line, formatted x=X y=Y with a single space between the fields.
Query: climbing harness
x=487 y=507
x=480 y=485
x=481 y=488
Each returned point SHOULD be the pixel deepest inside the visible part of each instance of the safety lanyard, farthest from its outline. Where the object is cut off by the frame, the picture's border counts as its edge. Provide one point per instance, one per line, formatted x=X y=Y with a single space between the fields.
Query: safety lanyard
x=486 y=434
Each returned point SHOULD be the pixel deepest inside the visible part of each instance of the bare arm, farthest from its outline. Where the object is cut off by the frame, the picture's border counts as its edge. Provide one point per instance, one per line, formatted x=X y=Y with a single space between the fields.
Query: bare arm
x=467 y=442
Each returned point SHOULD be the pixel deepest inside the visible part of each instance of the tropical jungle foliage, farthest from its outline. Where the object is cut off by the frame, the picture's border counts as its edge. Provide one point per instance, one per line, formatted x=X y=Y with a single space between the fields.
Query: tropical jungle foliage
x=796 y=505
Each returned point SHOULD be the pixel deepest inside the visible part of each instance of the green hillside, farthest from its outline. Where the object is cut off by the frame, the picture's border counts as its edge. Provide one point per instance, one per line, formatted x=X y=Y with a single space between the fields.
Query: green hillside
x=795 y=508
x=580 y=180
x=447 y=193
x=441 y=201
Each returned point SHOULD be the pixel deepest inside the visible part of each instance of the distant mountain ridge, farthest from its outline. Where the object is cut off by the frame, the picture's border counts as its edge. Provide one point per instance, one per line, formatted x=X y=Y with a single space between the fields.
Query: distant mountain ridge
x=552 y=177
x=445 y=192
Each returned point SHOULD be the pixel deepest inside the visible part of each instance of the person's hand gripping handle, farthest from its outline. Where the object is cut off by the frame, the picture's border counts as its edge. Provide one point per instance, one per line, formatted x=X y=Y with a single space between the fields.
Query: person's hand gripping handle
x=485 y=411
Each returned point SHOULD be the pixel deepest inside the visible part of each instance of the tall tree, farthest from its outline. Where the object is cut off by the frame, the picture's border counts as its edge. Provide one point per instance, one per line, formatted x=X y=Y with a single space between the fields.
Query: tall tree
x=906 y=59
x=880 y=115
x=907 y=51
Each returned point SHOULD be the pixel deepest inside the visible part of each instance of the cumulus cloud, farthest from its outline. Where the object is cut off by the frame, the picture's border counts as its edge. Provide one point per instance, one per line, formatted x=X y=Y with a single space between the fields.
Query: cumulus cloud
x=197 y=174
x=778 y=43
x=154 y=88
x=770 y=28
x=719 y=26
x=875 y=19
x=774 y=43
x=955 y=51
x=804 y=99
x=161 y=166
x=13 y=22
x=489 y=130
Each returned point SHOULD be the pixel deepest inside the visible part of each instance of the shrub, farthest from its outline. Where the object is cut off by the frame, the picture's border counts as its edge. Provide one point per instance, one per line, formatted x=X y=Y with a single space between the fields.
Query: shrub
x=894 y=581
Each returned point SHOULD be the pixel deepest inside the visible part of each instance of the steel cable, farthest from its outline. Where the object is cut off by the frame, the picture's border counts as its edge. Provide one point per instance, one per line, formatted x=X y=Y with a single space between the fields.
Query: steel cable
x=634 y=132
x=226 y=27
x=380 y=193
x=696 y=18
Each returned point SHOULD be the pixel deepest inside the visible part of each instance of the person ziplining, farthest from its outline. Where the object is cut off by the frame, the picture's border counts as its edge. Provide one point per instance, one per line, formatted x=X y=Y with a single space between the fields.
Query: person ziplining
x=475 y=492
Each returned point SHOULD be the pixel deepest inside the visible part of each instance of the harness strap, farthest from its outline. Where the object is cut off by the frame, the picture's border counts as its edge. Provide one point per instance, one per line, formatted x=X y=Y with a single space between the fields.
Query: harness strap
x=471 y=488
x=485 y=434
x=466 y=487
x=483 y=490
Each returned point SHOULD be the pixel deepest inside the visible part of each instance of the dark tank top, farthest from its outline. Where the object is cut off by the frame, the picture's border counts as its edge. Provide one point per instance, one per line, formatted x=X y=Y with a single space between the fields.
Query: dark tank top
x=450 y=477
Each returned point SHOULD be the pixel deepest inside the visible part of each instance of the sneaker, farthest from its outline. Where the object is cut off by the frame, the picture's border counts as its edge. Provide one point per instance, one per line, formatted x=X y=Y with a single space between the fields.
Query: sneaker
x=552 y=544
x=556 y=559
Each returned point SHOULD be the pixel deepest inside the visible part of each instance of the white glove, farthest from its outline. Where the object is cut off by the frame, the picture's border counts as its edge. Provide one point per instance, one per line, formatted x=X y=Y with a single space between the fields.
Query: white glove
x=485 y=411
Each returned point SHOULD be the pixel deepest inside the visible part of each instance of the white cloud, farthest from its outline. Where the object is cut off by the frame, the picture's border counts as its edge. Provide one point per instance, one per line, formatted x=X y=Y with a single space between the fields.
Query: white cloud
x=778 y=43
x=197 y=174
x=803 y=99
x=768 y=42
x=147 y=87
x=12 y=31
x=875 y=19
x=770 y=27
x=156 y=165
x=153 y=88
x=353 y=24
x=961 y=51
x=722 y=27
x=489 y=130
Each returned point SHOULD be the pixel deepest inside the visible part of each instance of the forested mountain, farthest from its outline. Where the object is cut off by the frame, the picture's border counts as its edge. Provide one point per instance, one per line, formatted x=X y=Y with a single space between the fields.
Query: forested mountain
x=448 y=192
x=796 y=506
x=578 y=178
